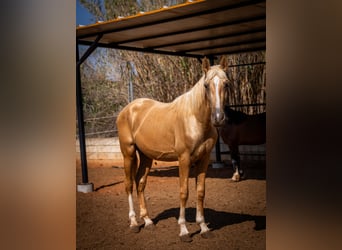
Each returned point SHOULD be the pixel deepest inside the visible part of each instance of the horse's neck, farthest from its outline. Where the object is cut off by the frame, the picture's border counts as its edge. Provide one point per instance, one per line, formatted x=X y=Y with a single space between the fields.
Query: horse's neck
x=202 y=105
x=194 y=102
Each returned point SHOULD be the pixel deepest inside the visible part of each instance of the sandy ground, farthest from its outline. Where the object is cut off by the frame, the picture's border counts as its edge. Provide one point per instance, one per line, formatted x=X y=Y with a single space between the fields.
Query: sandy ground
x=235 y=211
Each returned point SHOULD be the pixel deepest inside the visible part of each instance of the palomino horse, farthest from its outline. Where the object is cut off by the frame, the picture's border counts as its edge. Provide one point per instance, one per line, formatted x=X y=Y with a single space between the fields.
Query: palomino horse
x=242 y=129
x=183 y=130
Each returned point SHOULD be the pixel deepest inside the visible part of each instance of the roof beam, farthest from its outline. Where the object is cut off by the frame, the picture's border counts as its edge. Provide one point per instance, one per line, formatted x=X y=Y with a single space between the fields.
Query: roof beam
x=230 y=51
x=245 y=42
x=177 y=18
x=116 y=46
x=202 y=28
x=232 y=35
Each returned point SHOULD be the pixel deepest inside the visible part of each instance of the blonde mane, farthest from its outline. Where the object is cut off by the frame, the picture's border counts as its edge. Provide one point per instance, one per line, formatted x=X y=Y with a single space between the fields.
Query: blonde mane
x=194 y=98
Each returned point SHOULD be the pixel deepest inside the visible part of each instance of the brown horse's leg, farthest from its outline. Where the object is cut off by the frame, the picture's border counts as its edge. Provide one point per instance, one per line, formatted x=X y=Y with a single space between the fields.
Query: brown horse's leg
x=234 y=153
x=184 y=168
x=201 y=169
x=140 y=180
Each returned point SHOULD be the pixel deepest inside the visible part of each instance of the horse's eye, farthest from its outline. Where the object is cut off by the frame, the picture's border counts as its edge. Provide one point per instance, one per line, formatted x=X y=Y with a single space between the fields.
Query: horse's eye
x=206 y=85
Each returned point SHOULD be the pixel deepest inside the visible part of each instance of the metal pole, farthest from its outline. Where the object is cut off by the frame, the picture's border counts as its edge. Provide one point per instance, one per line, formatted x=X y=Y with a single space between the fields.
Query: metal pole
x=89 y=50
x=85 y=187
x=130 y=84
x=218 y=148
x=81 y=134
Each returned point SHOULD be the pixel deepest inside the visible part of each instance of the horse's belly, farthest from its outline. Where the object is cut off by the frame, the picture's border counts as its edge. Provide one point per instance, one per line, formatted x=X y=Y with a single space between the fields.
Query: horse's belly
x=164 y=156
x=156 y=148
x=157 y=154
x=249 y=137
x=252 y=139
x=244 y=134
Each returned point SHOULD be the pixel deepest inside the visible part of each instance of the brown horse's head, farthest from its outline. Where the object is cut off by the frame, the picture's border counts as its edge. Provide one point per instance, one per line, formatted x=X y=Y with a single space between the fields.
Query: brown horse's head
x=216 y=85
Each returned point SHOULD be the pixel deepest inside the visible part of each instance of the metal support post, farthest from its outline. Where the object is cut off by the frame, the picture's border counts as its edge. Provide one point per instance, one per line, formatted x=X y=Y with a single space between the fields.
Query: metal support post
x=85 y=186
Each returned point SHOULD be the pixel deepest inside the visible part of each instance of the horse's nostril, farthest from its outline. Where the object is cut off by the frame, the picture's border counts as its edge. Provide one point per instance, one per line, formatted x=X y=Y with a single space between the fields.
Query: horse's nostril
x=218 y=117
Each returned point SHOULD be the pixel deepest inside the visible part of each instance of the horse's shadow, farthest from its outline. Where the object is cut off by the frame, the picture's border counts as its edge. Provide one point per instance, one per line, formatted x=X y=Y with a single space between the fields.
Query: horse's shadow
x=107 y=185
x=216 y=219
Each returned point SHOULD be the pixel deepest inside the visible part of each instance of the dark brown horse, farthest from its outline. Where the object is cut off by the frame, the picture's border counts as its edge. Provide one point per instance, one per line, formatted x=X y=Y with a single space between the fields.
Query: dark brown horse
x=242 y=129
x=183 y=130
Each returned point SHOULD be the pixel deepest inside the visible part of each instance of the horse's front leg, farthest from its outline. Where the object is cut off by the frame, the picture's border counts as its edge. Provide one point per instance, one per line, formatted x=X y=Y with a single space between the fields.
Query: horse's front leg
x=184 y=168
x=200 y=188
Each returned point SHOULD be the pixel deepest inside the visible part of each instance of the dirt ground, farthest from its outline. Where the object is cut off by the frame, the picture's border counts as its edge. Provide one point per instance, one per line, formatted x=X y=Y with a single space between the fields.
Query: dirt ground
x=235 y=211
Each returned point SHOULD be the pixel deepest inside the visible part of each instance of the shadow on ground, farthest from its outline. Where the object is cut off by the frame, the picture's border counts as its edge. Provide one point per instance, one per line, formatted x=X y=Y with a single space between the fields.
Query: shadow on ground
x=216 y=219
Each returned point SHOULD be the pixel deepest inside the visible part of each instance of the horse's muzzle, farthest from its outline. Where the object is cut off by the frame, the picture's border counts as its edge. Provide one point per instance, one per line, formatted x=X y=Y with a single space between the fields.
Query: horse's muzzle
x=218 y=118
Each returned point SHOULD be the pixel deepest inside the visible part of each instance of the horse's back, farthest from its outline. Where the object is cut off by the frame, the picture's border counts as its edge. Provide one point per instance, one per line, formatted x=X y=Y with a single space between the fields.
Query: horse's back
x=133 y=111
x=251 y=130
x=140 y=106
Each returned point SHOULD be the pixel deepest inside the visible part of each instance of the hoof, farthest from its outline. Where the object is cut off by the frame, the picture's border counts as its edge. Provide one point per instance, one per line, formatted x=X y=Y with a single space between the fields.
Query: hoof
x=150 y=227
x=134 y=229
x=236 y=177
x=185 y=238
x=207 y=235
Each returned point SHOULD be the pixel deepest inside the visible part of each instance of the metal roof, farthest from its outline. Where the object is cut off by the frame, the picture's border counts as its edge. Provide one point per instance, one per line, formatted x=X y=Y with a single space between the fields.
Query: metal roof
x=196 y=29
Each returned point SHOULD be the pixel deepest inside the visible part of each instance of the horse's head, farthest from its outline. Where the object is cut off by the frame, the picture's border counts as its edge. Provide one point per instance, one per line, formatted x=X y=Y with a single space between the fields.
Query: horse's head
x=216 y=85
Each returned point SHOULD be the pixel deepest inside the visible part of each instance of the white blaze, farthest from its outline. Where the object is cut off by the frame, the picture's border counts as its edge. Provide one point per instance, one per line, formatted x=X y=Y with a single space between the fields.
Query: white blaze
x=217 y=104
x=217 y=81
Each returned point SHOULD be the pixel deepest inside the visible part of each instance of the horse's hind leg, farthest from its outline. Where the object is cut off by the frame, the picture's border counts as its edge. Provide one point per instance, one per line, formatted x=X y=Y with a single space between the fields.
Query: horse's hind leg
x=238 y=172
x=140 y=180
x=130 y=166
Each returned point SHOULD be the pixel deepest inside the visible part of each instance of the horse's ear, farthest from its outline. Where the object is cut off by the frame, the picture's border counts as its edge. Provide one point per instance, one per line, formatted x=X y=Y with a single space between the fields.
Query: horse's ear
x=224 y=63
x=205 y=64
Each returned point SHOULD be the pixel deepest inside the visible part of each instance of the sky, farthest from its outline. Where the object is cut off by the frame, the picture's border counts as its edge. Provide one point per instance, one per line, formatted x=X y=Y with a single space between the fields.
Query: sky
x=83 y=17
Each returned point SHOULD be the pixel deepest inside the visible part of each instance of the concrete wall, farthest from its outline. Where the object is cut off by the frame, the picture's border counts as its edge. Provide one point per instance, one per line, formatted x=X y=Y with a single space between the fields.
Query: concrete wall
x=107 y=151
